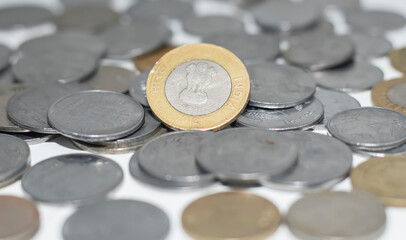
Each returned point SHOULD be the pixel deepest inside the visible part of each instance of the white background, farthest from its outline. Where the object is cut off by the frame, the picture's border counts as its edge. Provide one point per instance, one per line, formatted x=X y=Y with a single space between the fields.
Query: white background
x=173 y=203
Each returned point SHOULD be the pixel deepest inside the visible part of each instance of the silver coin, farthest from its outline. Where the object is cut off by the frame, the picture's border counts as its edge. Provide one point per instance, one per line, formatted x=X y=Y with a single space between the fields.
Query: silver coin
x=352 y=77
x=167 y=9
x=28 y=109
x=117 y=219
x=32 y=138
x=247 y=47
x=284 y=15
x=300 y=117
x=369 y=127
x=335 y=102
x=319 y=53
x=209 y=25
x=370 y=47
x=129 y=41
x=14 y=158
x=322 y=162
x=400 y=150
x=279 y=86
x=138 y=88
x=5 y=53
x=397 y=95
x=337 y=215
x=23 y=16
x=94 y=116
x=225 y=154
x=72 y=178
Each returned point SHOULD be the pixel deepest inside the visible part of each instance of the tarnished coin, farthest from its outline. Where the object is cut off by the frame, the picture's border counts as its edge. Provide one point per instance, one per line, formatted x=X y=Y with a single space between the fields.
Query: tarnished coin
x=279 y=86
x=319 y=53
x=32 y=138
x=138 y=88
x=369 y=127
x=23 y=16
x=224 y=154
x=231 y=215
x=322 y=162
x=14 y=159
x=95 y=116
x=28 y=109
x=166 y=9
x=369 y=47
x=398 y=59
x=209 y=25
x=300 y=117
x=6 y=92
x=19 y=218
x=249 y=48
x=352 y=77
x=199 y=86
x=5 y=53
x=390 y=94
x=72 y=178
x=337 y=215
x=147 y=61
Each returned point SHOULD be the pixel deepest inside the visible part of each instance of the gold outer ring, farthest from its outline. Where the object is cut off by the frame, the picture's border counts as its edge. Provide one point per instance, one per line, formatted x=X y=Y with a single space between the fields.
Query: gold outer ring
x=214 y=121
x=398 y=59
x=379 y=94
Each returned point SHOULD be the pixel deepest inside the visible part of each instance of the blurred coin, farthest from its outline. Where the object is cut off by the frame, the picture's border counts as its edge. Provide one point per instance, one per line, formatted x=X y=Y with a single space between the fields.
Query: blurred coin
x=5 y=53
x=7 y=92
x=72 y=178
x=32 y=138
x=231 y=215
x=398 y=59
x=23 y=16
x=198 y=87
x=166 y=9
x=209 y=25
x=369 y=47
x=138 y=88
x=390 y=94
x=147 y=61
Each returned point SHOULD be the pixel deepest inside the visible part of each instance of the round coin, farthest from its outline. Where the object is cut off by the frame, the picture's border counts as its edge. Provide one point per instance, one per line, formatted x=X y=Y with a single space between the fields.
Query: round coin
x=369 y=47
x=95 y=116
x=398 y=59
x=390 y=94
x=138 y=88
x=209 y=25
x=199 y=86
x=23 y=16
x=231 y=215
x=72 y=178
x=117 y=219
x=147 y=61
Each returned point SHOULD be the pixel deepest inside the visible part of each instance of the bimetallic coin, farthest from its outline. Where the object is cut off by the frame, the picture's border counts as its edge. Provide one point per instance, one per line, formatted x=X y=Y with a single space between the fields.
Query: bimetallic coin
x=23 y=16
x=117 y=219
x=138 y=88
x=198 y=87
x=5 y=53
x=390 y=94
x=209 y=25
x=398 y=59
x=19 y=218
x=369 y=47
x=32 y=138
x=147 y=61
x=74 y=178
x=231 y=215
x=95 y=116
x=166 y=9
x=279 y=86
x=337 y=215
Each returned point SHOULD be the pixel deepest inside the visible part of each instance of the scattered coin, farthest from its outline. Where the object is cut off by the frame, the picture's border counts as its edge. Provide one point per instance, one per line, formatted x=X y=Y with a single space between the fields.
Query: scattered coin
x=209 y=25
x=398 y=59
x=117 y=219
x=138 y=88
x=390 y=94
x=32 y=138
x=73 y=178
x=5 y=53
x=199 y=87
x=23 y=16
x=337 y=215
x=231 y=215
x=147 y=61
x=370 y=47
x=166 y=9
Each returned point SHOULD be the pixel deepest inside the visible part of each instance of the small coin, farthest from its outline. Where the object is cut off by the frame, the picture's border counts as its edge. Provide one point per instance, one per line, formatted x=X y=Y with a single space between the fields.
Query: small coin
x=19 y=218
x=32 y=138
x=322 y=162
x=352 y=77
x=337 y=215
x=369 y=47
x=398 y=59
x=138 y=88
x=23 y=16
x=72 y=178
x=209 y=25
x=231 y=215
x=166 y=9
x=390 y=94
x=117 y=219
x=279 y=86
x=198 y=87
x=95 y=116
x=5 y=53
x=147 y=61
x=301 y=117
x=369 y=128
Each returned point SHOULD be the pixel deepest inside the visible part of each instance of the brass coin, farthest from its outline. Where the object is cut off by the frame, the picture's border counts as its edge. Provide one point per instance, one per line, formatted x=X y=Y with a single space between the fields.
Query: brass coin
x=198 y=87
x=231 y=216
x=147 y=61
x=383 y=177
x=379 y=94
x=398 y=59
x=19 y=218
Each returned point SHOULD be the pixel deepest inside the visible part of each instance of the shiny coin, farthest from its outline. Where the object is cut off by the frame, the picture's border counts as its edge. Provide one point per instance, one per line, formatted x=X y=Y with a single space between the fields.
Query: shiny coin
x=19 y=218
x=147 y=61
x=340 y=215
x=369 y=47
x=369 y=127
x=5 y=53
x=279 y=86
x=209 y=25
x=72 y=178
x=23 y=16
x=167 y=9
x=138 y=88
x=398 y=59
x=6 y=92
x=390 y=94
x=28 y=109
x=322 y=162
x=32 y=138
x=231 y=215
x=117 y=219
x=224 y=154
x=14 y=159
x=95 y=116
x=199 y=86
x=318 y=53
x=352 y=77
x=300 y=117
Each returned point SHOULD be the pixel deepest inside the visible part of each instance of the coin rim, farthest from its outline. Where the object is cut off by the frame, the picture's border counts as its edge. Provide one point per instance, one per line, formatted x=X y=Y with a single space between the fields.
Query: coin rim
x=379 y=94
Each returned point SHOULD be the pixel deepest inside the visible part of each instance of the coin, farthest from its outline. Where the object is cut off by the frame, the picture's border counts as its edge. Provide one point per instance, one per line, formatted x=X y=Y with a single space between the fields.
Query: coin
x=146 y=61
x=400 y=150
x=23 y=16
x=73 y=178
x=202 y=26
x=138 y=88
x=117 y=219
x=95 y=116
x=168 y=9
x=199 y=86
x=398 y=59
x=390 y=94
x=5 y=53
x=32 y=138
x=337 y=215
x=231 y=215
x=370 y=47
x=19 y=218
